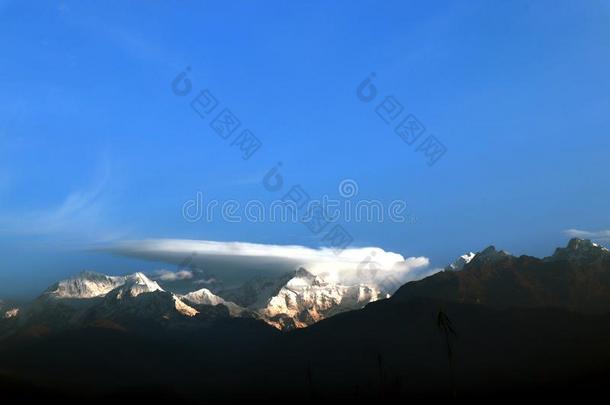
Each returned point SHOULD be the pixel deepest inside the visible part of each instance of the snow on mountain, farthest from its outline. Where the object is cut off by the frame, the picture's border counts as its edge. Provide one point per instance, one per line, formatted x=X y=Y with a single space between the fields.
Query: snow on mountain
x=183 y=308
x=7 y=311
x=11 y=313
x=88 y=285
x=291 y=301
x=206 y=297
x=85 y=285
x=306 y=299
x=90 y=296
x=135 y=285
x=294 y=300
x=257 y=292
x=461 y=262
x=203 y=297
x=299 y=299
x=577 y=250
x=155 y=299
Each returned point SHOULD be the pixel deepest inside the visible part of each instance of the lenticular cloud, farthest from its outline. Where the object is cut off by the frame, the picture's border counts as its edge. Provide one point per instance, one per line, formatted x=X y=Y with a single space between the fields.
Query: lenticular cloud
x=370 y=265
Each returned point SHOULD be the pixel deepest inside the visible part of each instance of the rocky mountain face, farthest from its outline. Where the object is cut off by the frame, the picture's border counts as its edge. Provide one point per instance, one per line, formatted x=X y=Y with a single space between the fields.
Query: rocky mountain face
x=306 y=299
x=204 y=297
x=140 y=297
x=576 y=277
x=300 y=299
x=256 y=293
x=85 y=285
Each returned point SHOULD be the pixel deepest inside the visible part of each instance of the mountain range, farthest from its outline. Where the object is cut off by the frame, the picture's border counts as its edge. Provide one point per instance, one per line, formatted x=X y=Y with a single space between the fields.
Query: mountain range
x=489 y=323
x=294 y=300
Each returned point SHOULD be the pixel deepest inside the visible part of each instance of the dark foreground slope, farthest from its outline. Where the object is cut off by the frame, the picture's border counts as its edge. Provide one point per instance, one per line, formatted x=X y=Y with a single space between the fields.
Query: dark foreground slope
x=388 y=349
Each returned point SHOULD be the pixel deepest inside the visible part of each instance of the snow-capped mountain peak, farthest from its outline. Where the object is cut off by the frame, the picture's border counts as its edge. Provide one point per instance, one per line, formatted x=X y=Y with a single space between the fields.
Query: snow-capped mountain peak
x=460 y=262
x=307 y=298
x=137 y=284
x=206 y=297
x=85 y=285
x=303 y=278
x=145 y=297
x=203 y=297
x=289 y=301
x=91 y=285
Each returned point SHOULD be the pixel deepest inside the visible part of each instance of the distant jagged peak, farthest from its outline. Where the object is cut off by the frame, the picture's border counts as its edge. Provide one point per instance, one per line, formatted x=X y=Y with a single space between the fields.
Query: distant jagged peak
x=136 y=284
x=203 y=297
x=308 y=298
x=302 y=272
x=490 y=255
x=86 y=284
x=89 y=284
x=206 y=297
x=579 y=250
x=141 y=295
x=143 y=280
x=304 y=278
x=576 y=244
x=491 y=251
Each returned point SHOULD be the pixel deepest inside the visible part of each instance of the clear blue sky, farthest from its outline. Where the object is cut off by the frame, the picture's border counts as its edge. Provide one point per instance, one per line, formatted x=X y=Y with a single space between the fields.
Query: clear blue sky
x=95 y=146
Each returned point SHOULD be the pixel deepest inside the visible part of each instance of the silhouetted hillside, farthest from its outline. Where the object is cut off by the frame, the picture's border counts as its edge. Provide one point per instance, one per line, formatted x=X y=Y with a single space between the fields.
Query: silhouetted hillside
x=576 y=277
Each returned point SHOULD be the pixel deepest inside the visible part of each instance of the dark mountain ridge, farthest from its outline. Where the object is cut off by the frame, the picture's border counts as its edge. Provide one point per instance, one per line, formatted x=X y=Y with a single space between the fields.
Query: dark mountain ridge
x=576 y=278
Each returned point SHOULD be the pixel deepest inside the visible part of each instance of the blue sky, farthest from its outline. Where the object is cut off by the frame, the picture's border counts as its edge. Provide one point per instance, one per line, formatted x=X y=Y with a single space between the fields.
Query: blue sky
x=95 y=146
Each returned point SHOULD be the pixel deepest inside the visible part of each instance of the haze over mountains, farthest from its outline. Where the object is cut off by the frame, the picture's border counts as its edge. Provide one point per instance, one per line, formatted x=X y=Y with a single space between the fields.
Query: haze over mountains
x=517 y=321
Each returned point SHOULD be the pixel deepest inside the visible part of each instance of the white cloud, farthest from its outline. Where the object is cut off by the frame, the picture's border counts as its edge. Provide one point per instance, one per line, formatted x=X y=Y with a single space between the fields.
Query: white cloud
x=603 y=235
x=369 y=265
x=167 y=275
